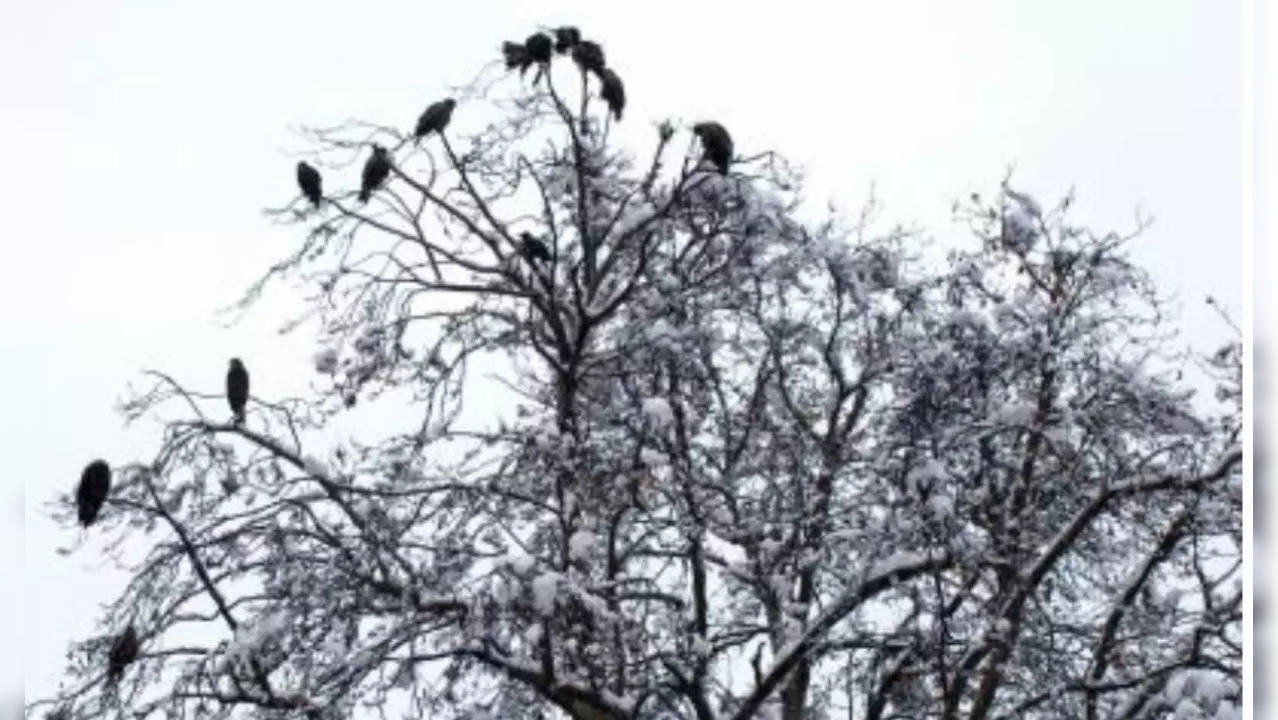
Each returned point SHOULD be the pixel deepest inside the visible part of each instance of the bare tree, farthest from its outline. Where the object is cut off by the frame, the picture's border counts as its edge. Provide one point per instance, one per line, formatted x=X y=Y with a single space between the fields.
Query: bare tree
x=748 y=467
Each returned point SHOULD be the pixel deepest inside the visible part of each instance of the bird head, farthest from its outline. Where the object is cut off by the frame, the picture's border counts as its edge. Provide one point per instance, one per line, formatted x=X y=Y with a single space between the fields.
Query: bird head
x=236 y=364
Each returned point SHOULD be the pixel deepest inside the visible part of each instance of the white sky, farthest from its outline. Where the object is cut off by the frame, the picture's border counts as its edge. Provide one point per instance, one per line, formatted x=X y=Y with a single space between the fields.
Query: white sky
x=142 y=140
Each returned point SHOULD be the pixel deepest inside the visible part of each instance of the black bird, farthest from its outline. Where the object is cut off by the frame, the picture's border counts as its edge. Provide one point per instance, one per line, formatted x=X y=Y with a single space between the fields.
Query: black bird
x=123 y=652
x=533 y=249
x=308 y=178
x=539 y=47
x=95 y=483
x=589 y=56
x=375 y=172
x=435 y=118
x=517 y=56
x=566 y=38
x=613 y=92
x=716 y=144
x=237 y=388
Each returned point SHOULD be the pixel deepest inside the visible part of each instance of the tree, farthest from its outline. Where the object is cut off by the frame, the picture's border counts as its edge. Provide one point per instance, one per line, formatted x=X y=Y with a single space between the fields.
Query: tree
x=752 y=466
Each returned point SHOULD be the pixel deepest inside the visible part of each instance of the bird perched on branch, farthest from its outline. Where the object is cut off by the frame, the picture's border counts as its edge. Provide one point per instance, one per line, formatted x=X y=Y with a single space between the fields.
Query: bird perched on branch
x=589 y=56
x=517 y=56
x=566 y=38
x=539 y=47
x=375 y=172
x=308 y=178
x=716 y=144
x=95 y=483
x=435 y=118
x=123 y=652
x=613 y=92
x=237 y=389
x=533 y=249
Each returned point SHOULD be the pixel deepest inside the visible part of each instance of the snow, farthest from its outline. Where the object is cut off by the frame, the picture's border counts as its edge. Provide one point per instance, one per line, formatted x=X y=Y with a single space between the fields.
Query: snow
x=248 y=637
x=631 y=219
x=927 y=473
x=1016 y=413
x=970 y=318
x=1026 y=203
x=502 y=593
x=580 y=544
x=652 y=458
x=940 y=505
x=1018 y=227
x=1058 y=436
x=544 y=590
x=1187 y=710
x=660 y=330
x=521 y=563
x=658 y=412
x=314 y=466
x=895 y=562
x=335 y=646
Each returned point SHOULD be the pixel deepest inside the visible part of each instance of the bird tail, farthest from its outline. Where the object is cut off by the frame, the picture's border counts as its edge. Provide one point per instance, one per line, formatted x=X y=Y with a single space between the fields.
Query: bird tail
x=363 y=196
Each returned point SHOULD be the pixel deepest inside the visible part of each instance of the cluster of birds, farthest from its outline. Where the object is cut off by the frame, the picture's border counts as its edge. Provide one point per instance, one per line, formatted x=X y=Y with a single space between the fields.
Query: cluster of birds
x=538 y=49
x=378 y=167
x=95 y=485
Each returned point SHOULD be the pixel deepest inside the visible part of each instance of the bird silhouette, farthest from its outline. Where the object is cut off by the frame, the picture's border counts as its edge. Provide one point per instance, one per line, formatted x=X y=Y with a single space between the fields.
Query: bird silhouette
x=375 y=172
x=716 y=144
x=613 y=92
x=566 y=38
x=123 y=652
x=237 y=388
x=435 y=118
x=308 y=178
x=95 y=484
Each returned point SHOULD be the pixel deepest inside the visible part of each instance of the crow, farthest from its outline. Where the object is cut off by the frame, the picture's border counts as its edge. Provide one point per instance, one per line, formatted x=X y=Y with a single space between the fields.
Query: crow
x=435 y=118
x=123 y=652
x=516 y=56
x=375 y=172
x=237 y=389
x=589 y=56
x=95 y=483
x=539 y=47
x=533 y=249
x=716 y=144
x=614 y=92
x=308 y=178
x=566 y=38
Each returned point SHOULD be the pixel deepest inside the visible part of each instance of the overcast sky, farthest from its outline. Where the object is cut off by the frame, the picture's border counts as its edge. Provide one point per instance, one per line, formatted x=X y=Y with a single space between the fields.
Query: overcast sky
x=143 y=139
